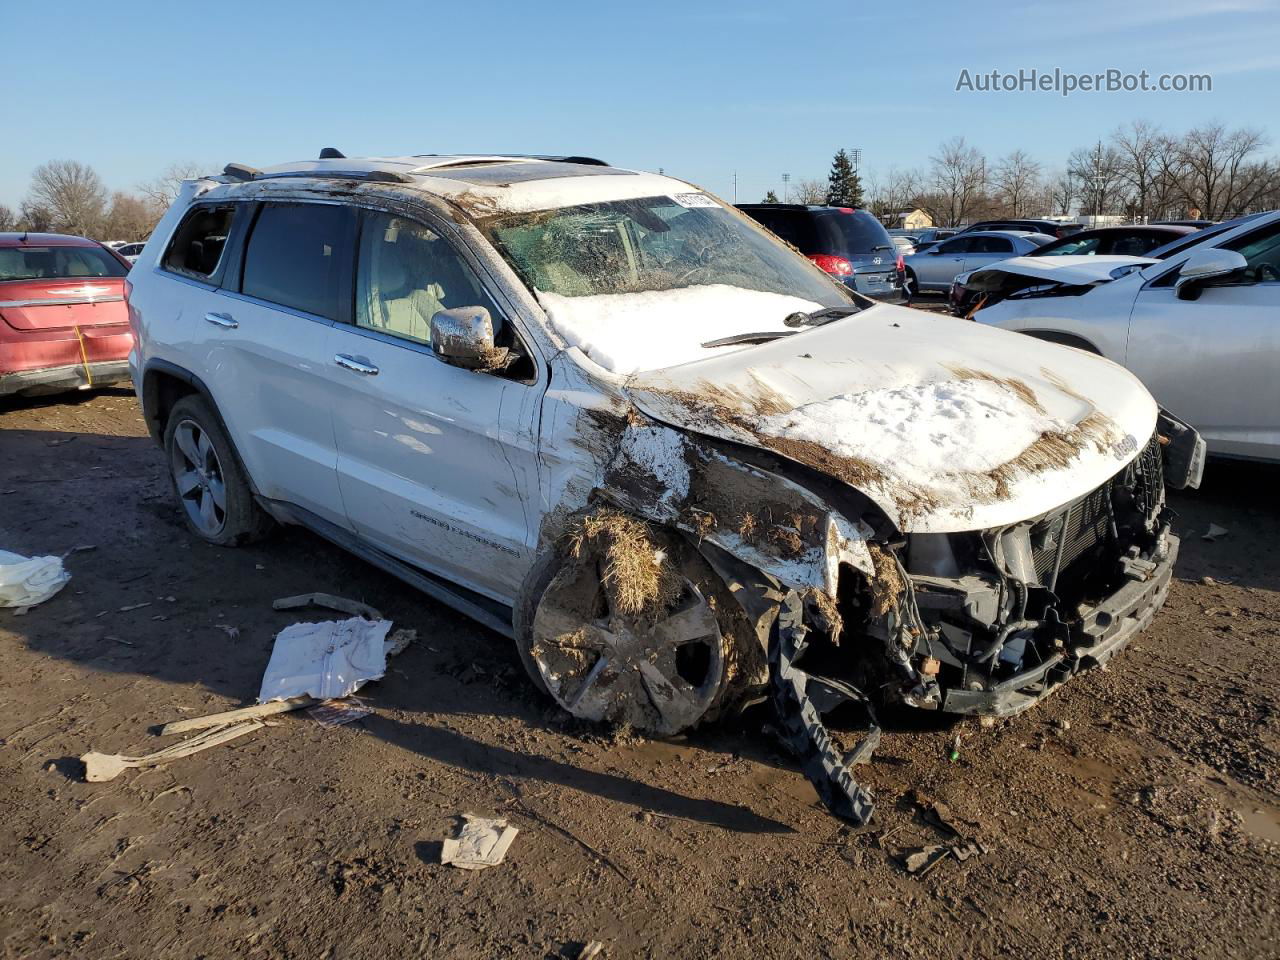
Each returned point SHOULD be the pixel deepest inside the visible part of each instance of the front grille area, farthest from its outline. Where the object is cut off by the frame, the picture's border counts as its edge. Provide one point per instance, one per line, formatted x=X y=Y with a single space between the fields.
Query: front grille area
x=1091 y=521
x=1084 y=525
x=1145 y=477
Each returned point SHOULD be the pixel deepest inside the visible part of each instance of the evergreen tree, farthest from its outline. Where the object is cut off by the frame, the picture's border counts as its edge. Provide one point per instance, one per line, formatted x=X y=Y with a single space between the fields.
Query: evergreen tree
x=844 y=187
x=770 y=197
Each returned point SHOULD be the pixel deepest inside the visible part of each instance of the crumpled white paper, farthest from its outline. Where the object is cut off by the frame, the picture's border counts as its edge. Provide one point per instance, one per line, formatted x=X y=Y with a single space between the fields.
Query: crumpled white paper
x=482 y=842
x=326 y=660
x=26 y=581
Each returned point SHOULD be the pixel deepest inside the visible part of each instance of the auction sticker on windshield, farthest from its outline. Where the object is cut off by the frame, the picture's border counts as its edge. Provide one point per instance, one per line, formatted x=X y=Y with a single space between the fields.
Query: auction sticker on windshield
x=693 y=200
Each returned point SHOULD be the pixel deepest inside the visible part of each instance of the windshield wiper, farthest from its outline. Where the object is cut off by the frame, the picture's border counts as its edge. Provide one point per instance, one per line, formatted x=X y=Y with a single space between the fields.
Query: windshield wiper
x=737 y=338
x=818 y=317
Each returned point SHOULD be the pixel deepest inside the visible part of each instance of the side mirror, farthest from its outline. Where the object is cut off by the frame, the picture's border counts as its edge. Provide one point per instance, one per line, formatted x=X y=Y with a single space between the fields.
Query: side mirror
x=463 y=336
x=1203 y=266
x=933 y=251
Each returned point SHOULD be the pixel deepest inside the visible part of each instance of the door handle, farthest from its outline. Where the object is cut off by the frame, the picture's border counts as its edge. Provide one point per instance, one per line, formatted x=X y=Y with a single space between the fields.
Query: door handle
x=359 y=366
x=221 y=320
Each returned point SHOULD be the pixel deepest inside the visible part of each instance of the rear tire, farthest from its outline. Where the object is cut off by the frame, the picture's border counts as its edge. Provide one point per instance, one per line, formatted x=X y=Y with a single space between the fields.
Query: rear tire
x=209 y=483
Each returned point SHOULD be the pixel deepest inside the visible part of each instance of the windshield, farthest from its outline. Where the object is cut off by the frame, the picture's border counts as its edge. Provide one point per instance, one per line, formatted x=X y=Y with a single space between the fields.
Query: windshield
x=660 y=281
x=55 y=263
x=653 y=244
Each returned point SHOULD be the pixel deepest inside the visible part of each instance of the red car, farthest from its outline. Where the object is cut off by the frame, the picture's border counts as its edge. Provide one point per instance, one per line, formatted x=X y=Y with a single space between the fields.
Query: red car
x=63 y=320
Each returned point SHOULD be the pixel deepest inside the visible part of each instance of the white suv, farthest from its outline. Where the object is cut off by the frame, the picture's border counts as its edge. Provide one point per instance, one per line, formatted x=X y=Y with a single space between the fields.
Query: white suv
x=607 y=415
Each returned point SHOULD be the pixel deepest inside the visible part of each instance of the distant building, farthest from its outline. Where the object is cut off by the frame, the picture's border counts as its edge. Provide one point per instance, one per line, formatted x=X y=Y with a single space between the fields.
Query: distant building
x=909 y=220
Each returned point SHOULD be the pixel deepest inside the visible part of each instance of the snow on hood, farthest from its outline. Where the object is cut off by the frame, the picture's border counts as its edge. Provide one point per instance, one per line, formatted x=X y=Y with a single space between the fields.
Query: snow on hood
x=948 y=426
x=1070 y=270
x=628 y=332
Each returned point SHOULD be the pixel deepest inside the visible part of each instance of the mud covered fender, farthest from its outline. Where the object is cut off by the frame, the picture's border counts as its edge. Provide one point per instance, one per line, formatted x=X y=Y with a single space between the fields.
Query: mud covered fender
x=759 y=517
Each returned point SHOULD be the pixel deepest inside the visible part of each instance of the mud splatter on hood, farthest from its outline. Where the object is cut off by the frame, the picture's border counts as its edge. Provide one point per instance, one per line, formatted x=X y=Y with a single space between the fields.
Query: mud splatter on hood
x=947 y=425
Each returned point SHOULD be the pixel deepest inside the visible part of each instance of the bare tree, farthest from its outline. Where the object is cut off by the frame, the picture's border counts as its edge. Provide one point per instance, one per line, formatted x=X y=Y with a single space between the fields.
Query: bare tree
x=1096 y=170
x=809 y=191
x=1141 y=149
x=131 y=217
x=8 y=218
x=73 y=194
x=1218 y=174
x=35 y=217
x=1016 y=180
x=898 y=191
x=163 y=189
x=1060 y=192
x=956 y=185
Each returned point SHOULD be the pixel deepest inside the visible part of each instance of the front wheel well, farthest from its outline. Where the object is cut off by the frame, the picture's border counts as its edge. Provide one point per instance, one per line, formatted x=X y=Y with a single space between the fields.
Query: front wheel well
x=1066 y=339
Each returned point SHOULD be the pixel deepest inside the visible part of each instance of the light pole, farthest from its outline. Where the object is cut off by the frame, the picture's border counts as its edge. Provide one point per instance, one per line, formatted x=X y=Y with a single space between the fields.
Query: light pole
x=786 y=188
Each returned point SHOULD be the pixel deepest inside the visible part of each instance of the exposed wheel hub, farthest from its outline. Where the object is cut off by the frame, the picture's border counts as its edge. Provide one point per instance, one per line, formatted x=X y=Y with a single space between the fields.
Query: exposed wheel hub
x=658 y=676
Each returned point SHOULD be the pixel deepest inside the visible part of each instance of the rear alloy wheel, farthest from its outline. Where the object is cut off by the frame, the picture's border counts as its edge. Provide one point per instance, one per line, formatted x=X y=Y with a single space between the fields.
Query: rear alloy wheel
x=198 y=478
x=208 y=481
x=660 y=675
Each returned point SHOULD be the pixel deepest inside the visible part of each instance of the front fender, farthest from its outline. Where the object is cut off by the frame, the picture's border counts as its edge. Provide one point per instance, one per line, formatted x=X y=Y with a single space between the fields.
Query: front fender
x=759 y=517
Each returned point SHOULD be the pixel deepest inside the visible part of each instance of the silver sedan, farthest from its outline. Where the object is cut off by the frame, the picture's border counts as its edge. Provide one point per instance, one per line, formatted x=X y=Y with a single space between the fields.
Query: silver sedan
x=933 y=269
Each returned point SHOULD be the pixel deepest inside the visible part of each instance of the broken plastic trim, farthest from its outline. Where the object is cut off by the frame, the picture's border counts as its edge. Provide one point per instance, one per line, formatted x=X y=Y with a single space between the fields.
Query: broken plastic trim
x=800 y=719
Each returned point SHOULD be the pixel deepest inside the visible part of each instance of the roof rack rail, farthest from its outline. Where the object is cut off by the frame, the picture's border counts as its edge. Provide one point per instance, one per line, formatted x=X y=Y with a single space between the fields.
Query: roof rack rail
x=238 y=171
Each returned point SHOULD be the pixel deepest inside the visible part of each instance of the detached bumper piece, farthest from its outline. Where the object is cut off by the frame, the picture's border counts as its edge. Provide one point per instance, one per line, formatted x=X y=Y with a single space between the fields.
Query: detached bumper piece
x=799 y=700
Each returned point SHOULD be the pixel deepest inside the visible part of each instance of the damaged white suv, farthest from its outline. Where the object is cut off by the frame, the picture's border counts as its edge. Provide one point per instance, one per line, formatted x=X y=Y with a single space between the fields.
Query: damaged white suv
x=608 y=415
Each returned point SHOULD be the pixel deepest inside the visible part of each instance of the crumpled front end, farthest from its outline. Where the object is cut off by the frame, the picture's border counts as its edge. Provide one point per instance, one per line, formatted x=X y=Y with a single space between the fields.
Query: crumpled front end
x=994 y=621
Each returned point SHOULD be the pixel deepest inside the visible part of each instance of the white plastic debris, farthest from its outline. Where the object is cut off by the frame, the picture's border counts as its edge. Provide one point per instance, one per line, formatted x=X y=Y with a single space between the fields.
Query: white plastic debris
x=482 y=842
x=26 y=581
x=327 y=660
x=1214 y=532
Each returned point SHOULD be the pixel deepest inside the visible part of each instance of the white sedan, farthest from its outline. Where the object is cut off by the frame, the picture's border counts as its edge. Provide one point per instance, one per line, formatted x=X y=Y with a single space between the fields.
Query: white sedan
x=1201 y=329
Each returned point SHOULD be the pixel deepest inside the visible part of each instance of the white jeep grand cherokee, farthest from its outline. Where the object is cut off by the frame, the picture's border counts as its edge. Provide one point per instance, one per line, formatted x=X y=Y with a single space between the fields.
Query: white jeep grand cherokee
x=607 y=415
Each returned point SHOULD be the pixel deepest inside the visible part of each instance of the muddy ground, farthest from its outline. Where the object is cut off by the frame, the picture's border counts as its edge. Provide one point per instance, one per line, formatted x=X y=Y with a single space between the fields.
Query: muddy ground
x=1132 y=815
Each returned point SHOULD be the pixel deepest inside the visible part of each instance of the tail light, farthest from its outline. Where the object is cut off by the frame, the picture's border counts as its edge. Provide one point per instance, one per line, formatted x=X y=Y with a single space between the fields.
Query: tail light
x=836 y=266
x=900 y=265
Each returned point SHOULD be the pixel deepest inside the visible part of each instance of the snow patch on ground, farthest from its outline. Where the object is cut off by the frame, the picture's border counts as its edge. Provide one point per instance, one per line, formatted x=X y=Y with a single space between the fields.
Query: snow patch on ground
x=629 y=332
x=921 y=432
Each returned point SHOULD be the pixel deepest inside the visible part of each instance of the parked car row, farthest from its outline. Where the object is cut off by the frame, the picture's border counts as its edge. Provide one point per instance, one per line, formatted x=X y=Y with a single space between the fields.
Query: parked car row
x=1198 y=321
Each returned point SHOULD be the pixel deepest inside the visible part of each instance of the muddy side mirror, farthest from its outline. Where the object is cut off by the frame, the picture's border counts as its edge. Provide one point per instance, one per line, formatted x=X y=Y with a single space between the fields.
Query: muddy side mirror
x=1204 y=266
x=463 y=336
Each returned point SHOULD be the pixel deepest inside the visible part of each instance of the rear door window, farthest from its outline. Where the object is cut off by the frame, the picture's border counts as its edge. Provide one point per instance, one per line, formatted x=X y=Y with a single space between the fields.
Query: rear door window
x=298 y=256
x=199 y=242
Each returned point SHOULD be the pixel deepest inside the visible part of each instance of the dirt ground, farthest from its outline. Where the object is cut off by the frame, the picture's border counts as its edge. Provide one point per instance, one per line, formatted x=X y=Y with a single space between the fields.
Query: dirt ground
x=1135 y=814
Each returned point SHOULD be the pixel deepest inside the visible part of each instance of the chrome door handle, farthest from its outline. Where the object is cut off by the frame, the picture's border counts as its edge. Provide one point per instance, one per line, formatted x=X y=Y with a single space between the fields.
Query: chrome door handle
x=221 y=320
x=359 y=366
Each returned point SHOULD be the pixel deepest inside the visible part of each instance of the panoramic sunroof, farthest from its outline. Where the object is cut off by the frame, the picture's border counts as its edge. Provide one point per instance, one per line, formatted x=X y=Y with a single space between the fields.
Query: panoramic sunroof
x=500 y=172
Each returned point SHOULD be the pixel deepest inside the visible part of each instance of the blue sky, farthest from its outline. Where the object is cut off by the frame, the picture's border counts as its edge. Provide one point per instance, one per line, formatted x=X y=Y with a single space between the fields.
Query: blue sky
x=700 y=89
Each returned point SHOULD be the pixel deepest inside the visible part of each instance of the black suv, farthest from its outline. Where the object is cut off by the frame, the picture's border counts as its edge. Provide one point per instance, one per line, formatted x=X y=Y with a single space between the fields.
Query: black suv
x=851 y=245
x=1051 y=227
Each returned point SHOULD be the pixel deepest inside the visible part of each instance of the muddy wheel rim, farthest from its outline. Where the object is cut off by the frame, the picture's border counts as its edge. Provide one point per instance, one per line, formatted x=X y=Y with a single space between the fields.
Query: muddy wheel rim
x=659 y=677
x=197 y=474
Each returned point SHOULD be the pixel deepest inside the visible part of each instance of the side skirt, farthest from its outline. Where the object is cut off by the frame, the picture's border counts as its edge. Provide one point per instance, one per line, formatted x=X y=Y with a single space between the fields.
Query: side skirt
x=489 y=613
